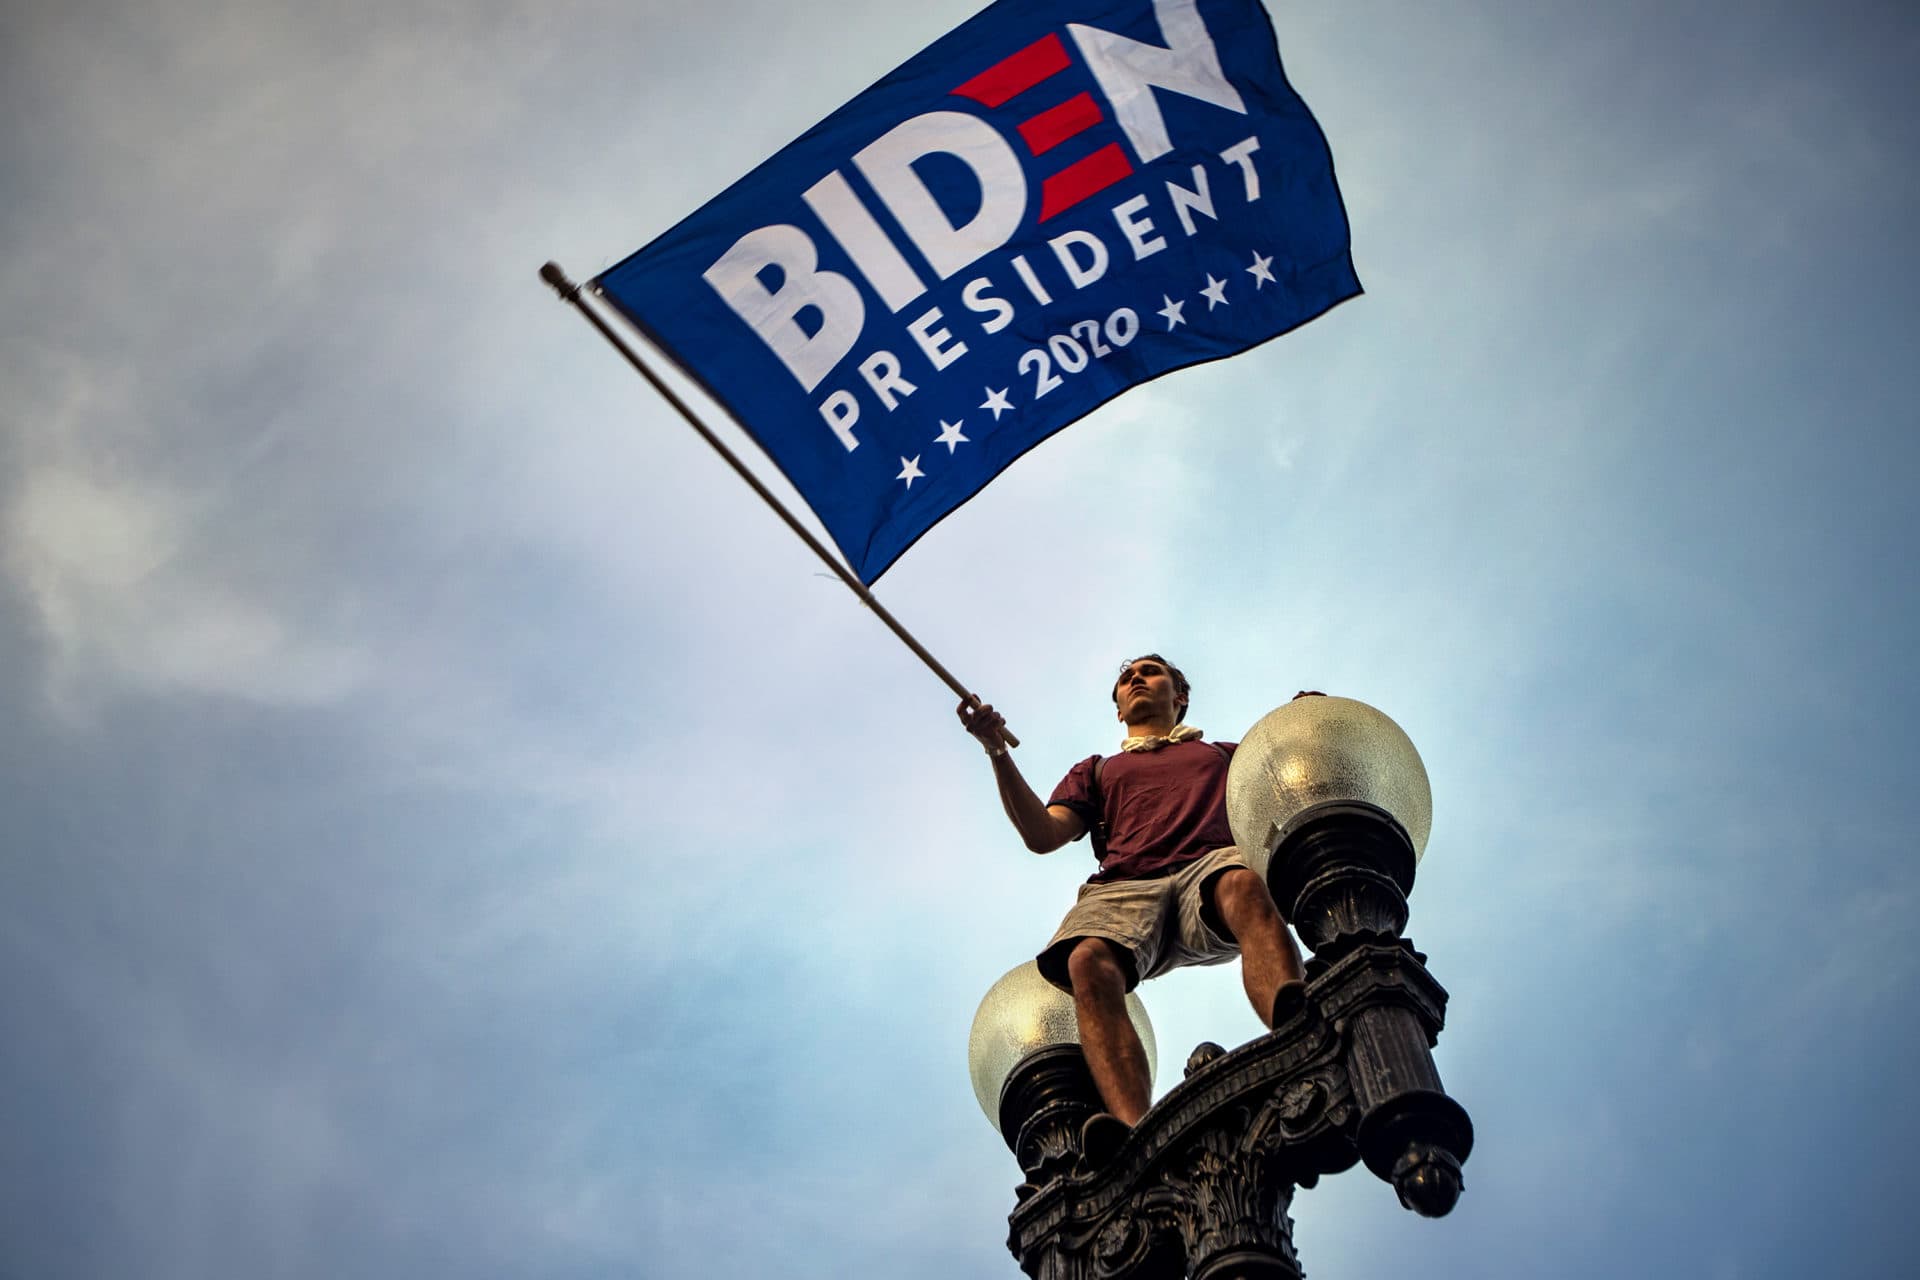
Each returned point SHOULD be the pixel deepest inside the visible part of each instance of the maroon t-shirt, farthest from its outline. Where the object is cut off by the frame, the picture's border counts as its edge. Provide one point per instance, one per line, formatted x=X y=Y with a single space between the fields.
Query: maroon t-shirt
x=1163 y=807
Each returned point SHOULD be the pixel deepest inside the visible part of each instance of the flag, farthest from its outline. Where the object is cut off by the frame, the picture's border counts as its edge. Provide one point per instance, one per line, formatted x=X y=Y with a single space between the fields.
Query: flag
x=1056 y=201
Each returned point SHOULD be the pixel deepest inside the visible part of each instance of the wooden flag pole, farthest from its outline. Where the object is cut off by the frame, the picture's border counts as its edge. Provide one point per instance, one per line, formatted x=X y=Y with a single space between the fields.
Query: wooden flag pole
x=571 y=292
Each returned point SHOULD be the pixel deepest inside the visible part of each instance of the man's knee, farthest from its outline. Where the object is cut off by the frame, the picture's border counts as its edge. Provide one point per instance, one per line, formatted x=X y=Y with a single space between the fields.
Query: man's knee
x=1240 y=895
x=1095 y=968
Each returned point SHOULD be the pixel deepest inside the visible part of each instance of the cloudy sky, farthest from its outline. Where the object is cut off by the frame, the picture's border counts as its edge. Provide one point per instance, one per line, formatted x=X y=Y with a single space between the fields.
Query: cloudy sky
x=448 y=828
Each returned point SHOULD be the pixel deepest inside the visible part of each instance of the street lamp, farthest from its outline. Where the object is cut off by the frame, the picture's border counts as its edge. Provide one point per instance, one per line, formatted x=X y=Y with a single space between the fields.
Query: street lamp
x=1329 y=803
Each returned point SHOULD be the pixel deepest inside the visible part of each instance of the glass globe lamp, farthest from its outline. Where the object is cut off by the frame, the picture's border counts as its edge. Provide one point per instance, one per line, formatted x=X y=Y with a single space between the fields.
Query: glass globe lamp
x=1316 y=751
x=1022 y=1015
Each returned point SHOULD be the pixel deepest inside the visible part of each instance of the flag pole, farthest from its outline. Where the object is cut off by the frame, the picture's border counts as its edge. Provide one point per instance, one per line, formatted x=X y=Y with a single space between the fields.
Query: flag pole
x=572 y=293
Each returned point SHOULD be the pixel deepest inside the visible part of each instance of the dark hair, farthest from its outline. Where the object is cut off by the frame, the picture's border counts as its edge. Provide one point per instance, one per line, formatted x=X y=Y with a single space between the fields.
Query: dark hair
x=1181 y=689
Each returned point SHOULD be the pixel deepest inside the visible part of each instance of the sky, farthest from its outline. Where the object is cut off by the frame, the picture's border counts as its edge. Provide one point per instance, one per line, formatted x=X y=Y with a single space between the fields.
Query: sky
x=449 y=828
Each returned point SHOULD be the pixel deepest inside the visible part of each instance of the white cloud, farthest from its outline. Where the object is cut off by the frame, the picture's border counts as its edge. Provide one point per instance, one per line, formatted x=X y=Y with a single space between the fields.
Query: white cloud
x=112 y=568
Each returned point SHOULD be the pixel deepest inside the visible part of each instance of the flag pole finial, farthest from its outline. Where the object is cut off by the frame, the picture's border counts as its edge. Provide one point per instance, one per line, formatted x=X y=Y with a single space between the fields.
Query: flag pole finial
x=554 y=275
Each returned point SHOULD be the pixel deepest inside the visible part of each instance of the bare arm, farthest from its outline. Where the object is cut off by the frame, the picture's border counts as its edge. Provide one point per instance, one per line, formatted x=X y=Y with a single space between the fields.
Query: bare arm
x=1043 y=827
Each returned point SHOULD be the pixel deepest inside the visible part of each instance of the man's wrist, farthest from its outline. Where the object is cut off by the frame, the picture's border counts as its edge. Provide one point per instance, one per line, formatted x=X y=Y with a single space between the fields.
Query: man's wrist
x=997 y=750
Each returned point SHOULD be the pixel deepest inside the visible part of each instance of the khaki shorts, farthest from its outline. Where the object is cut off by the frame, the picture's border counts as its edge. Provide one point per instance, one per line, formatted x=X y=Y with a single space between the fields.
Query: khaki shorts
x=1158 y=923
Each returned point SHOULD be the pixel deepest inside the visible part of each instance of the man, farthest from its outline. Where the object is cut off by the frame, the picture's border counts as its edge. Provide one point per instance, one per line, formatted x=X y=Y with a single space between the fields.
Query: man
x=1171 y=889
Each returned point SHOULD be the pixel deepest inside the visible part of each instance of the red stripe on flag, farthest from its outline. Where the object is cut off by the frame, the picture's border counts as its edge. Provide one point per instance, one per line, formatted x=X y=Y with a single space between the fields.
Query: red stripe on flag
x=1056 y=124
x=1016 y=73
x=1083 y=178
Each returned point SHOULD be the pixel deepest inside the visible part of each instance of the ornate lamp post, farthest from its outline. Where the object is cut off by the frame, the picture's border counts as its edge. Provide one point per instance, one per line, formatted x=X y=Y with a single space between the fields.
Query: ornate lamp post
x=1330 y=802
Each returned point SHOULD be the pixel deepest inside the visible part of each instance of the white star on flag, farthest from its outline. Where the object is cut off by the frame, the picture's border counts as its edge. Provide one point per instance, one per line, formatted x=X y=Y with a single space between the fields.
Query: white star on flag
x=1172 y=311
x=1261 y=271
x=1215 y=292
x=950 y=435
x=910 y=471
x=998 y=402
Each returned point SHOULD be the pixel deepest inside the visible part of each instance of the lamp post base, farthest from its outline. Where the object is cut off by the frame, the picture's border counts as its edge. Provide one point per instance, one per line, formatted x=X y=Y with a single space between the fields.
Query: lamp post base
x=1248 y=1264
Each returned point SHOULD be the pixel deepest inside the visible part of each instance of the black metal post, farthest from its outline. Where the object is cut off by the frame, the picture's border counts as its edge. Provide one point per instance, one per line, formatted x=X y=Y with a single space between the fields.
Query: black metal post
x=1341 y=871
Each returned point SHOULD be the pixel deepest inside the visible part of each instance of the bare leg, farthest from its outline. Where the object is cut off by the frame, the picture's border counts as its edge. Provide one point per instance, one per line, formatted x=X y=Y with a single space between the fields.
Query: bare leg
x=1268 y=957
x=1114 y=1053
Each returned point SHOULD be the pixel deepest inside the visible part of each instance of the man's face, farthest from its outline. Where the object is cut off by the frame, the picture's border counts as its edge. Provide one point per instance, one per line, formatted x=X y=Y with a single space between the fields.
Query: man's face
x=1145 y=691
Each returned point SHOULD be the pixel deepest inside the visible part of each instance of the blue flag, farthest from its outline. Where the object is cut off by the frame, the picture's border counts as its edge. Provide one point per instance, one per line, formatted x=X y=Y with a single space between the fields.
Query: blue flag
x=1056 y=201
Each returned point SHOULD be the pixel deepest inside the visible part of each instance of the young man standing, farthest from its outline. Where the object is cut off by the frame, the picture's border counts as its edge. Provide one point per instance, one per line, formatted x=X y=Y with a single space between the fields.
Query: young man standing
x=1171 y=889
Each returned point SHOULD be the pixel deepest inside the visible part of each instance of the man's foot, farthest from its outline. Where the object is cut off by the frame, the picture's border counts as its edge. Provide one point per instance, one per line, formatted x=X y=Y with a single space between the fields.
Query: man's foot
x=1101 y=1137
x=1289 y=1000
